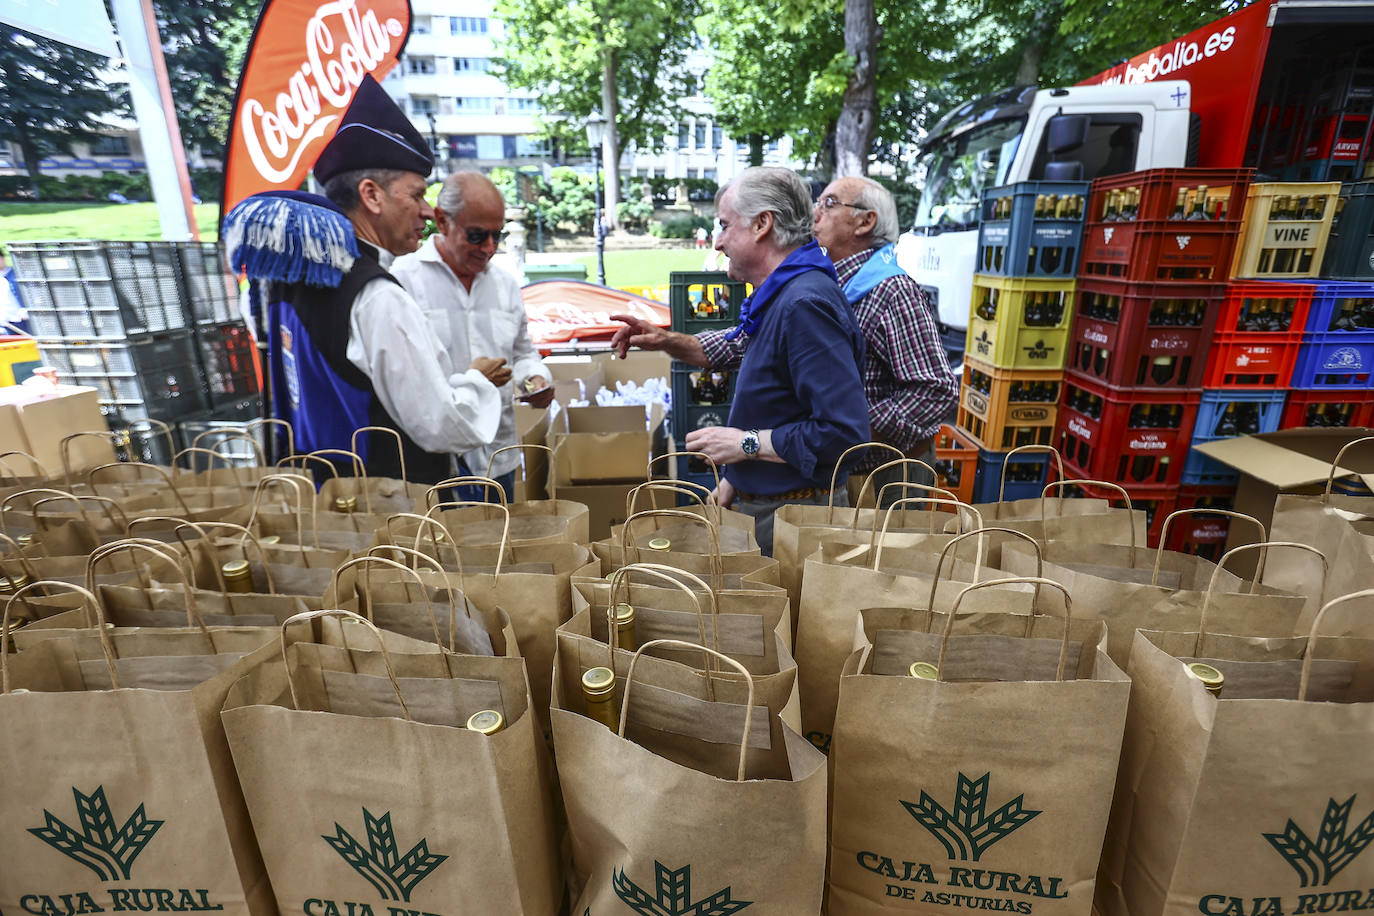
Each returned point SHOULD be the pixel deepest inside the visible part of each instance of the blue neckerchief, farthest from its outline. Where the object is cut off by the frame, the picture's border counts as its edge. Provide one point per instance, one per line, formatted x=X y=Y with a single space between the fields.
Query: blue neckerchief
x=881 y=266
x=807 y=257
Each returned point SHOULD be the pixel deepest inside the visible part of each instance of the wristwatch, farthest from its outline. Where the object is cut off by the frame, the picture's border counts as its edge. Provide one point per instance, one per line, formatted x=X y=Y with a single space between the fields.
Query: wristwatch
x=750 y=443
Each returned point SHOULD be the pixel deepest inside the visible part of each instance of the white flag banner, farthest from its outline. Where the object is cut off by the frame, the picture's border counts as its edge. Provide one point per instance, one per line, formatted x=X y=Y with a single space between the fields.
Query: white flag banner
x=79 y=23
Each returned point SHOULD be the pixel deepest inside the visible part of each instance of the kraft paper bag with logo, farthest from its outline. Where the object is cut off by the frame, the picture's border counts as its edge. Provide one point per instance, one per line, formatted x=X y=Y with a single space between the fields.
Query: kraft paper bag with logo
x=368 y=794
x=984 y=784
x=1126 y=589
x=1258 y=800
x=119 y=792
x=666 y=815
x=523 y=524
x=694 y=528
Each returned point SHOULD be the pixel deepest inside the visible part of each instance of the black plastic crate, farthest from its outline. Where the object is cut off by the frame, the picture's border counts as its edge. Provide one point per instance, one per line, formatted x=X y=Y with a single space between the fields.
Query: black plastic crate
x=1350 y=246
x=222 y=431
x=156 y=377
x=99 y=289
x=227 y=352
x=209 y=290
x=704 y=300
x=701 y=397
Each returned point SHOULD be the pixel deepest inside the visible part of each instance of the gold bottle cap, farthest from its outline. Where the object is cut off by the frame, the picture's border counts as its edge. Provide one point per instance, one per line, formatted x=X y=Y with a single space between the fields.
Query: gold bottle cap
x=236 y=568
x=624 y=615
x=10 y=583
x=1211 y=678
x=660 y=544
x=345 y=503
x=486 y=721
x=598 y=682
x=270 y=539
x=25 y=540
x=924 y=670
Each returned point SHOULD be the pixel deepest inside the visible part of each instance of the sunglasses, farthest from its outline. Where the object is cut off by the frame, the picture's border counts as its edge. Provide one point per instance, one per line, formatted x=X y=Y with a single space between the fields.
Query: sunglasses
x=830 y=202
x=479 y=236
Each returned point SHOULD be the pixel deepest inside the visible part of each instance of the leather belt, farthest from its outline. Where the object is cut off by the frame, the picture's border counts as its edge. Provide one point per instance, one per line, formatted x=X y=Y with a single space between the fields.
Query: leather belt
x=803 y=493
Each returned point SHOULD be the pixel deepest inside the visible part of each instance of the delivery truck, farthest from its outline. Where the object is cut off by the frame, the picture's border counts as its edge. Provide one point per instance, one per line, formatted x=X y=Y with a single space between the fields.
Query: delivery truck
x=1283 y=86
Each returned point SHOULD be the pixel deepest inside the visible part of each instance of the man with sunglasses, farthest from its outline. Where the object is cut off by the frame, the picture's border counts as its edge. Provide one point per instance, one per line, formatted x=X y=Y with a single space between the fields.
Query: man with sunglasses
x=907 y=378
x=476 y=311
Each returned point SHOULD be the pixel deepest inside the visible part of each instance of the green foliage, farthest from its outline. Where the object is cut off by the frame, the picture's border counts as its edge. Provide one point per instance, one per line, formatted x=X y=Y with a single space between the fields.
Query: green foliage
x=203 y=42
x=633 y=210
x=571 y=200
x=906 y=197
x=134 y=186
x=679 y=226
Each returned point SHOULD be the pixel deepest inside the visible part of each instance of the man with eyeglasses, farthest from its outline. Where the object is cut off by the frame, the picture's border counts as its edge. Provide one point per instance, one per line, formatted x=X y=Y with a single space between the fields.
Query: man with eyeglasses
x=476 y=312
x=907 y=379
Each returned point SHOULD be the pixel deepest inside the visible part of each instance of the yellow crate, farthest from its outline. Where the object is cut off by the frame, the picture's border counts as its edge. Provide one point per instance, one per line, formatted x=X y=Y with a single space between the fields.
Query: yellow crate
x=15 y=350
x=1003 y=408
x=1029 y=323
x=1285 y=229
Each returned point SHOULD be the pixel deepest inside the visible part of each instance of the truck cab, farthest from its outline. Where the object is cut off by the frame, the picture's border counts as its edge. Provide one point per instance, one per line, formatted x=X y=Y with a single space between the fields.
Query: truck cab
x=1027 y=134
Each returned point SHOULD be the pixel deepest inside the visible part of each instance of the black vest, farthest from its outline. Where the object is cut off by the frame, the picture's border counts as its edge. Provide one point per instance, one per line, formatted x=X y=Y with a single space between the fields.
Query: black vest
x=327 y=315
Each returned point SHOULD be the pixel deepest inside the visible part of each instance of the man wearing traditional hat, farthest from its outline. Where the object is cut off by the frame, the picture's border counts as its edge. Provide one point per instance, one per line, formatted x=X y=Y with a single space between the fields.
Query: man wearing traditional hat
x=359 y=351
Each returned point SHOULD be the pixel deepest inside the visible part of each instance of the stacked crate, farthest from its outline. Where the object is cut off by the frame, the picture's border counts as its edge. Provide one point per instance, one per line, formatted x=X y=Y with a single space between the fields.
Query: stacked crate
x=1157 y=251
x=701 y=301
x=1029 y=240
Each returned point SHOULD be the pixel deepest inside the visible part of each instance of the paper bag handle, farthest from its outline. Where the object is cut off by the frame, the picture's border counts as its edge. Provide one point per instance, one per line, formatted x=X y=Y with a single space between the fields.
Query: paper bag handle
x=273 y=423
x=373 y=560
x=202 y=528
x=433 y=497
x=877 y=547
x=425 y=524
x=213 y=456
x=64 y=449
x=108 y=505
x=5 y=468
x=682 y=644
x=521 y=447
x=715 y=469
x=453 y=594
x=1331 y=474
x=1126 y=497
x=1002 y=481
x=140 y=466
x=21 y=557
x=5 y=504
x=163 y=552
x=697 y=491
x=1028 y=580
x=106 y=645
x=903 y=484
x=1312 y=636
x=297 y=482
x=1196 y=510
x=835 y=472
x=346 y=615
x=359 y=471
x=670 y=575
x=977 y=567
x=505 y=527
x=717 y=557
x=386 y=430
x=1263 y=548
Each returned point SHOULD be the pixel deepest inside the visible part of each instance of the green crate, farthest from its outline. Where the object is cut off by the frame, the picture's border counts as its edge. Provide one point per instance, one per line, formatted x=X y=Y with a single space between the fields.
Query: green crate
x=704 y=300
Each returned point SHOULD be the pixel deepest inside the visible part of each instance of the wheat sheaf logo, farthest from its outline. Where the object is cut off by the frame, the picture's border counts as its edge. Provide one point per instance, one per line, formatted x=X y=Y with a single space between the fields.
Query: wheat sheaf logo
x=107 y=850
x=1318 y=861
x=673 y=895
x=969 y=830
x=393 y=875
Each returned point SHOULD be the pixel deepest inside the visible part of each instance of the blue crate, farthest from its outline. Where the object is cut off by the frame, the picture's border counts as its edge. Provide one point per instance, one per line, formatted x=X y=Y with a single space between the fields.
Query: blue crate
x=1215 y=402
x=1032 y=465
x=1340 y=359
x=1005 y=246
x=689 y=415
x=1199 y=470
x=1328 y=298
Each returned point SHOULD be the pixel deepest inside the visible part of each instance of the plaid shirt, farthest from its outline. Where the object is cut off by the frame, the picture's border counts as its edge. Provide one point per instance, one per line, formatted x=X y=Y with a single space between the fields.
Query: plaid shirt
x=907 y=379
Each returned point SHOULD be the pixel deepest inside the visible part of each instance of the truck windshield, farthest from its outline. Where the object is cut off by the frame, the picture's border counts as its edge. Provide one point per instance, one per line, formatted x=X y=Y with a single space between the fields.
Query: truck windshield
x=958 y=170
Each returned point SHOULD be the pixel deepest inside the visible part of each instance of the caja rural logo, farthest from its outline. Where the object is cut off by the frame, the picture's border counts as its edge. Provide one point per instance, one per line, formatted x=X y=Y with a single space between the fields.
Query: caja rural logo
x=109 y=850
x=966 y=831
x=672 y=895
x=393 y=874
x=1317 y=862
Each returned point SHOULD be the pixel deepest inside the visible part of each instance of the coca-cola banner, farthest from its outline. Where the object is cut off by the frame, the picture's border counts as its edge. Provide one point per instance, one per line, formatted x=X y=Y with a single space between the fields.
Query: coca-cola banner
x=305 y=62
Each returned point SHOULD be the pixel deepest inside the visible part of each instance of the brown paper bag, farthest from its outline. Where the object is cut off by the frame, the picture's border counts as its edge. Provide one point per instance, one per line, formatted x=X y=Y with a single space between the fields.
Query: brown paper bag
x=522 y=524
x=652 y=832
x=366 y=789
x=1258 y=800
x=694 y=528
x=371 y=495
x=119 y=790
x=986 y=787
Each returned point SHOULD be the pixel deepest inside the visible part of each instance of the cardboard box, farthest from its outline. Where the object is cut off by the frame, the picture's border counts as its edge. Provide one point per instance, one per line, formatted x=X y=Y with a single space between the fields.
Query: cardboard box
x=638 y=366
x=605 y=505
x=606 y=444
x=575 y=378
x=36 y=421
x=1291 y=461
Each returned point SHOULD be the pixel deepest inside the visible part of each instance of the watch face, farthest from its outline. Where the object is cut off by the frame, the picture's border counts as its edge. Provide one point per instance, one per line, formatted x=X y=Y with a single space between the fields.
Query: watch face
x=750 y=444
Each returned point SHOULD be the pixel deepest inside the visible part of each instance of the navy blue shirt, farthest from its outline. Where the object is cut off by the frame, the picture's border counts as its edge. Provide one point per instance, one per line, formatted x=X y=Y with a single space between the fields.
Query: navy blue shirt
x=800 y=377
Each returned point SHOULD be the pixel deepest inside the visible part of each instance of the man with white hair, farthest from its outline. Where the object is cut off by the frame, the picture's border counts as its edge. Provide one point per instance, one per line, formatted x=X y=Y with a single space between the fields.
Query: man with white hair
x=799 y=400
x=907 y=378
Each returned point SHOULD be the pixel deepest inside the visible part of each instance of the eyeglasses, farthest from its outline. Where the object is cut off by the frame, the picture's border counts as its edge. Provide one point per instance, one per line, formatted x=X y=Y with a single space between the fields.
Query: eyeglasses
x=830 y=202
x=477 y=236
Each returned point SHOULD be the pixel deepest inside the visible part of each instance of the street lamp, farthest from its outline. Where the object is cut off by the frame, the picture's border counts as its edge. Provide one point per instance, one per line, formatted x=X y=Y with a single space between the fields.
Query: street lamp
x=596 y=131
x=434 y=141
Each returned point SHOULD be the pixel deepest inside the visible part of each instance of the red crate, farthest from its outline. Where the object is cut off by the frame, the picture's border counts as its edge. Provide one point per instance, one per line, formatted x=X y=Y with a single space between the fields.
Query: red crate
x=1325 y=407
x=1157 y=502
x=1125 y=335
x=1102 y=441
x=1246 y=298
x=1158 y=191
x=1252 y=361
x=1147 y=251
x=1201 y=534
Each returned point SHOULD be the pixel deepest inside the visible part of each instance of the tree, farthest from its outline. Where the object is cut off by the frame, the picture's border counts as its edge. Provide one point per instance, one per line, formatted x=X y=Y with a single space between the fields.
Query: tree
x=53 y=96
x=854 y=130
x=623 y=57
x=203 y=42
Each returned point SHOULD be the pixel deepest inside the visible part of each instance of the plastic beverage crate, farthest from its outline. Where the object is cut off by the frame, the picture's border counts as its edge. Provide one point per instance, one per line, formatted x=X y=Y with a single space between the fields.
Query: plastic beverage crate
x=1148 y=251
x=210 y=291
x=157 y=377
x=1325 y=407
x=956 y=462
x=109 y=289
x=1143 y=335
x=1015 y=337
x=704 y=300
x=1026 y=476
x=230 y=359
x=690 y=410
x=1335 y=360
x=1157 y=502
x=1157 y=192
x=1350 y=246
x=1224 y=415
x=1341 y=306
x=1258 y=334
x=1018 y=407
x=1247 y=301
x=1131 y=438
x=1201 y=535
x=1032 y=229
x=1285 y=229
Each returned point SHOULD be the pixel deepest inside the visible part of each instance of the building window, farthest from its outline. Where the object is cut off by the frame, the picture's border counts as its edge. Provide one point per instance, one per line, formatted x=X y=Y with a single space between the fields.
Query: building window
x=423 y=107
x=467 y=25
x=772 y=146
x=525 y=106
x=709 y=173
x=717 y=138
x=419 y=65
x=701 y=136
x=529 y=146
x=467 y=104
x=117 y=145
x=471 y=65
x=682 y=135
x=421 y=26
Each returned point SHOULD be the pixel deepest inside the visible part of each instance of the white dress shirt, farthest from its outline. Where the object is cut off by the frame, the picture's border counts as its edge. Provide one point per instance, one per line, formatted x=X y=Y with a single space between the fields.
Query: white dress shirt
x=445 y=408
x=488 y=320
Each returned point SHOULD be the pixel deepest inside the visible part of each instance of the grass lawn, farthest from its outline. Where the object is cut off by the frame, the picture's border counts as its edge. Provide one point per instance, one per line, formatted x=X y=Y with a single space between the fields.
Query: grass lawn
x=40 y=222
x=640 y=268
